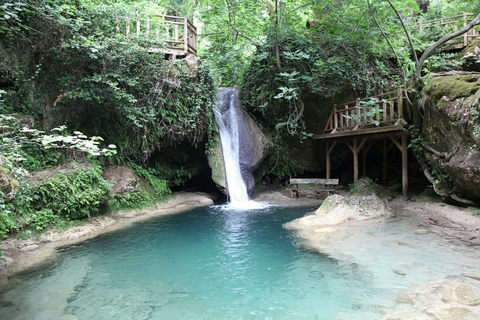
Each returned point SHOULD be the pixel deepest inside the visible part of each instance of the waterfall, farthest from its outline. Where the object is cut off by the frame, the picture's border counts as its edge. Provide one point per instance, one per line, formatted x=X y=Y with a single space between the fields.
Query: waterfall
x=227 y=116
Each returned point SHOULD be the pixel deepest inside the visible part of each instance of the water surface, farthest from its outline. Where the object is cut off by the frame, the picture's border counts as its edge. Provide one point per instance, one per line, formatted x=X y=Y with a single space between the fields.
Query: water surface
x=214 y=263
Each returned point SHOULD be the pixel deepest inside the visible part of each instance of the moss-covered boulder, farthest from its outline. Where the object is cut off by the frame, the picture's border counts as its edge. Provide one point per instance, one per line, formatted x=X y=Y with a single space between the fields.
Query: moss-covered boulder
x=469 y=58
x=451 y=132
x=364 y=203
x=128 y=189
x=8 y=185
x=216 y=163
x=73 y=190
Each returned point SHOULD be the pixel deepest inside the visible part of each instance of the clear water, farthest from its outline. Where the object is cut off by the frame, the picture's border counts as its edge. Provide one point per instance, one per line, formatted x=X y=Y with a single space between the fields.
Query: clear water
x=220 y=263
x=208 y=263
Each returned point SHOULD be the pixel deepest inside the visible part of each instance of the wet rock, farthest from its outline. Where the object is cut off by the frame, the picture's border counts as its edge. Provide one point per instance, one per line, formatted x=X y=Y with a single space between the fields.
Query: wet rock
x=467 y=294
x=452 y=313
x=215 y=161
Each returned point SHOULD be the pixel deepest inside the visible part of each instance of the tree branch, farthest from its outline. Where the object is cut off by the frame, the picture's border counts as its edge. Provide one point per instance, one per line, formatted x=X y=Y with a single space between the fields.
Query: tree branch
x=404 y=29
x=426 y=54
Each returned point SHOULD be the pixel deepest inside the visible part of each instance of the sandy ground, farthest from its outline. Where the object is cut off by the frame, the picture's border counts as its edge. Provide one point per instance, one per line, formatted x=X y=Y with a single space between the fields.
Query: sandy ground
x=21 y=255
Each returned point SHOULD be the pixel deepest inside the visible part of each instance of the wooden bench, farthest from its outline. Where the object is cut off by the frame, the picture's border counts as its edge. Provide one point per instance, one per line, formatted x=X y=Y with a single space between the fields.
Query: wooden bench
x=315 y=185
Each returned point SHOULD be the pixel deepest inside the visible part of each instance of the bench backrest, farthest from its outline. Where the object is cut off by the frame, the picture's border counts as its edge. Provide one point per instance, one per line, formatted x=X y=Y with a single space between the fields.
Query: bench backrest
x=298 y=181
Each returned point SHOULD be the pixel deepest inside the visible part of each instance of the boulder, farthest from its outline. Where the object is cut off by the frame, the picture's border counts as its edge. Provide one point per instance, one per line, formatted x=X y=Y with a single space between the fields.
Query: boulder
x=364 y=204
x=46 y=174
x=469 y=57
x=124 y=180
x=8 y=185
x=451 y=130
x=254 y=148
x=215 y=161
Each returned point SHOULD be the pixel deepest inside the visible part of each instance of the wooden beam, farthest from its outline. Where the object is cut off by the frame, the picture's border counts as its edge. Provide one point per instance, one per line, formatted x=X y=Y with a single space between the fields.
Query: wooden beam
x=356 y=148
x=329 y=152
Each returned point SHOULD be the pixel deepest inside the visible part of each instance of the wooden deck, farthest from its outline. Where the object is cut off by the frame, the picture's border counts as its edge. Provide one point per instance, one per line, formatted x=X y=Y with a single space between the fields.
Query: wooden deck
x=390 y=111
x=170 y=35
x=450 y=25
x=363 y=122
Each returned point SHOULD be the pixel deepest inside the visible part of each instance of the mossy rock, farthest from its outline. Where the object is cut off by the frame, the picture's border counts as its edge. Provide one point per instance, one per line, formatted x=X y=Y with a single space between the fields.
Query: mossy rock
x=470 y=60
x=443 y=90
x=8 y=185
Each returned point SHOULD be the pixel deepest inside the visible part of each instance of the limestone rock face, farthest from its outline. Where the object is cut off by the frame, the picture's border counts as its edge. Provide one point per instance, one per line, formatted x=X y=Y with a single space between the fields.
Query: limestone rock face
x=451 y=127
x=215 y=161
x=124 y=180
x=254 y=148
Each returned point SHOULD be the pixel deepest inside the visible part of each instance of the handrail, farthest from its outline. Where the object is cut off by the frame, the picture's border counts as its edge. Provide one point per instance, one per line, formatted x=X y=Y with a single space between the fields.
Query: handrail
x=389 y=107
x=177 y=33
x=454 y=21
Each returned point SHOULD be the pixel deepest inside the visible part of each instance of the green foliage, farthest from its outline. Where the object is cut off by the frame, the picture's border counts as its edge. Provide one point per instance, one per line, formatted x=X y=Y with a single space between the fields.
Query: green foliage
x=132 y=200
x=65 y=196
x=34 y=147
x=279 y=165
x=367 y=111
x=159 y=186
x=308 y=67
x=74 y=196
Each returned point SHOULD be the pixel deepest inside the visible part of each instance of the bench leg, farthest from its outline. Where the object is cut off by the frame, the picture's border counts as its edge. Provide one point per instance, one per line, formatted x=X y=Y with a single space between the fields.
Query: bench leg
x=294 y=193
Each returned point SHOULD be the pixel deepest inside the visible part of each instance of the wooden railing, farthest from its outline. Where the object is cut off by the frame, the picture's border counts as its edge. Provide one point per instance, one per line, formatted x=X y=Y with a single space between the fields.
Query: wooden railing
x=165 y=34
x=378 y=111
x=450 y=25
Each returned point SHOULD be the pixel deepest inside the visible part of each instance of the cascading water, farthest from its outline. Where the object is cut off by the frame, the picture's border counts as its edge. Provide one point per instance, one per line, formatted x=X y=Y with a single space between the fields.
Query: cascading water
x=227 y=116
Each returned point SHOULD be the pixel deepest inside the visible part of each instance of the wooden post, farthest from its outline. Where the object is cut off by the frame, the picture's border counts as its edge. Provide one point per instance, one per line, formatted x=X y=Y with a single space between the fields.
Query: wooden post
x=403 y=148
x=421 y=27
x=385 y=167
x=356 y=148
x=329 y=152
x=138 y=27
x=128 y=27
x=355 y=160
x=366 y=149
x=335 y=119
x=400 y=103
x=404 y=167
x=465 y=35
x=185 y=35
x=327 y=159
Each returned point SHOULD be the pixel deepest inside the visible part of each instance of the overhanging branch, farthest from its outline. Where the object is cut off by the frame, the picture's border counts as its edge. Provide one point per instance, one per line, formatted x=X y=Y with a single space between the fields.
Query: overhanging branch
x=426 y=54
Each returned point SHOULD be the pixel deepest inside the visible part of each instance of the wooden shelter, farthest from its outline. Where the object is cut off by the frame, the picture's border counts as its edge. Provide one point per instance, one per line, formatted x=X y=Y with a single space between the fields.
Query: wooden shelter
x=170 y=35
x=362 y=123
